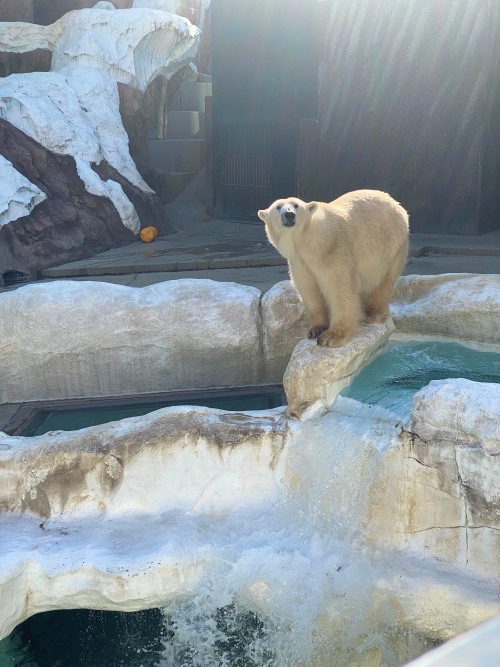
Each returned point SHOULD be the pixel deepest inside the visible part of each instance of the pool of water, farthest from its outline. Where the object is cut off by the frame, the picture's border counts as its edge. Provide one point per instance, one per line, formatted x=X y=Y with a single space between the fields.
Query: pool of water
x=191 y=636
x=82 y=638
x=86 y=639
x=72 y=419
x=392 y=379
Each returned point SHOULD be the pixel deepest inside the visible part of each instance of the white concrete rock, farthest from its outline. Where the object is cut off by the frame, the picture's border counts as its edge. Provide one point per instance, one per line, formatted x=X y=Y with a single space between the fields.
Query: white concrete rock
x=341 y=514
x=463 y=418
x=44 y=106
x=18 y=196
x=439 y=493
x=315 y=375
x=459 y=411
x=104 y=467
x=264 y=510
x=460 y=306
x=109 y=41
x=129 y=495
x=74 y=339
x=284 y=323
x=74 y=109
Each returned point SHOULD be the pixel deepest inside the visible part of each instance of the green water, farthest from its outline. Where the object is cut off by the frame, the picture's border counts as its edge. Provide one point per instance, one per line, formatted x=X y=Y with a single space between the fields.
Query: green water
x=392 y=379
x=73 y=419
x=82 y=638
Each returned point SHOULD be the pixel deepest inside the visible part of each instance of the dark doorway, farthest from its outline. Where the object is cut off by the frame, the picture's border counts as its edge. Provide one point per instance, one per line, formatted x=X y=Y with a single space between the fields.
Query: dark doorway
x=264 y=66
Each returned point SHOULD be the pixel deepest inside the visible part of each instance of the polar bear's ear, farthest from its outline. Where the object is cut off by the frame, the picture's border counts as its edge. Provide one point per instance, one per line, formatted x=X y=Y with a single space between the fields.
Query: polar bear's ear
x=262 y=215
x=312 y=207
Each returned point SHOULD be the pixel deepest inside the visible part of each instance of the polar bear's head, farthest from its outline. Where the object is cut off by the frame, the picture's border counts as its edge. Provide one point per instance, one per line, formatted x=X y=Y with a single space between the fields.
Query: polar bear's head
x=284 y=221
x=287 y=213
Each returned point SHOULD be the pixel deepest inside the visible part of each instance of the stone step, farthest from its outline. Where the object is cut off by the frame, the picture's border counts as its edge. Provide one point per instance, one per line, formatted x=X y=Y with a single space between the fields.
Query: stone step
x=191 y=96
x=185 y=155
x=185 y=125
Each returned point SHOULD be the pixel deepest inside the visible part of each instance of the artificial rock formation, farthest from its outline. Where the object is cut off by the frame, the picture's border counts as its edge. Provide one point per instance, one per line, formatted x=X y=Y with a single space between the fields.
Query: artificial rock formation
x=66 y=221
x=460 y=306
x=18 y=196
x=440 y=492
x=118 y=340
x=395 y=528
x=281 y=303
x=70 y=121
x=298 y=500
x=170 y=328
x=313 y=380
x=459 y=411
x=74 y=110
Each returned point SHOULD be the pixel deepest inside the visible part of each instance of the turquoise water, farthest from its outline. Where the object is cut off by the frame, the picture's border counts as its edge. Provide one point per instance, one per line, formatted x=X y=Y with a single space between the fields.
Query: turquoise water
x=73 y=419
x=403 y=368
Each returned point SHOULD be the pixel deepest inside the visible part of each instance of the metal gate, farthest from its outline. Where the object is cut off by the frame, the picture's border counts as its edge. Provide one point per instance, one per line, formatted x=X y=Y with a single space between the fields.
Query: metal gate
x=243 y=169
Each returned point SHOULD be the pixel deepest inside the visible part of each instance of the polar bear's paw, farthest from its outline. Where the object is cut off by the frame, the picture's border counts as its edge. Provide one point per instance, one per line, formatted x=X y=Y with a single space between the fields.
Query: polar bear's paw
x=335 y=337
x=315 y=332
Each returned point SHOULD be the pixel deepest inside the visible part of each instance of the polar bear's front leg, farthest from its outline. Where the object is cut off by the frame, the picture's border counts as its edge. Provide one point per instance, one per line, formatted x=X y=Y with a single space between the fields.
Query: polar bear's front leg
x=341 y=293
x=311 y=296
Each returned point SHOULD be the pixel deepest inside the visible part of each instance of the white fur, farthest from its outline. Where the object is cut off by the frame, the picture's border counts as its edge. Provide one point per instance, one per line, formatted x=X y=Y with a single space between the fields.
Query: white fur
x=344 y=257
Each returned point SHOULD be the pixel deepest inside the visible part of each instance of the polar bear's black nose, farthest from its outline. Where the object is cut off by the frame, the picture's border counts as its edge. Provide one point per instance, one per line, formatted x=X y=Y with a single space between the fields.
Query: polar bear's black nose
x=288 y=217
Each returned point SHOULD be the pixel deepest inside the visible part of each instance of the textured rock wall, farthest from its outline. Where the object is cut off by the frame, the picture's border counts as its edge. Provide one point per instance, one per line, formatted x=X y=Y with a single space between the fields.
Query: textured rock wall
x=195 y=333
x=128 y=478
x=35 y=61
x=98 y=339
x=102 y=469
x=439 y=491
x=459 y=306
x=18 y=196
x=137 y=513
x=183 y=334
x=71 y=223
x=74 y=110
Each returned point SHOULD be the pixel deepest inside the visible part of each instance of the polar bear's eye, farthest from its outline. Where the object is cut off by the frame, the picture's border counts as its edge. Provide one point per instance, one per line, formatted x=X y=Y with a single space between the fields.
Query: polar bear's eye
x=295 y=206
x=279 y=207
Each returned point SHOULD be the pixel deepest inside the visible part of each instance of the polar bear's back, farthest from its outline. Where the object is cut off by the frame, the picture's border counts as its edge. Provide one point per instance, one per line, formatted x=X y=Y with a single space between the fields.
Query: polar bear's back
x=371 y=207
x=370 y=227
x=368 y=219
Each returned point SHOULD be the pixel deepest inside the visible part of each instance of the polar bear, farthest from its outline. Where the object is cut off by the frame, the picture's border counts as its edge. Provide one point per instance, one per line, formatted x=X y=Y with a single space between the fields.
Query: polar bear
x=344 y=257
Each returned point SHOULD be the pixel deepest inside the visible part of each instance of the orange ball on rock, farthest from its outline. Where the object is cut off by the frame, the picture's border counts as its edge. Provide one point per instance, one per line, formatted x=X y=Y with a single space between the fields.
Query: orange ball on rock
x=148 y=234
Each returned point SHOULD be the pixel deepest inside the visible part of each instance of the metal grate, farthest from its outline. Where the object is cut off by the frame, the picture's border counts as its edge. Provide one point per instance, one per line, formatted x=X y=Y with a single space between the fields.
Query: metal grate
x=243 y=169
